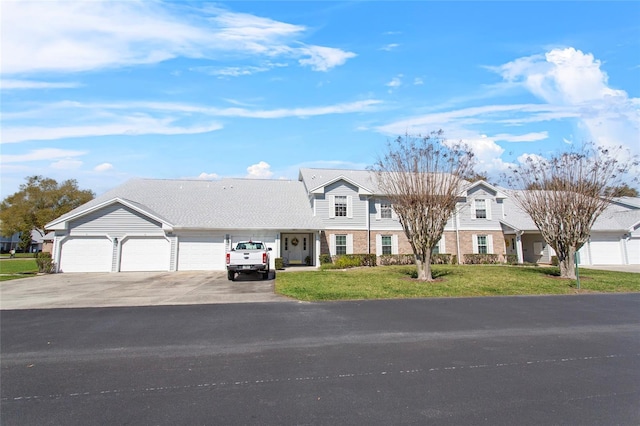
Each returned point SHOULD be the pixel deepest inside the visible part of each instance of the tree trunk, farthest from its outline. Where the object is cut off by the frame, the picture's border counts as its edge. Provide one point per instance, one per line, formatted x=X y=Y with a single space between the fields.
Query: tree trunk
x=424 y=268
x=567 y=265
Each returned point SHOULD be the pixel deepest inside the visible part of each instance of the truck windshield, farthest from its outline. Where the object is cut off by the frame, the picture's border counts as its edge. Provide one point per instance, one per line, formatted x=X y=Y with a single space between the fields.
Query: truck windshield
x=249 y=246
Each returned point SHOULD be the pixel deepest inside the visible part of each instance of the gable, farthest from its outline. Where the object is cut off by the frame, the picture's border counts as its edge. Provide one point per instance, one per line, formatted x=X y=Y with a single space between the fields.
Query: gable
x=114 y=219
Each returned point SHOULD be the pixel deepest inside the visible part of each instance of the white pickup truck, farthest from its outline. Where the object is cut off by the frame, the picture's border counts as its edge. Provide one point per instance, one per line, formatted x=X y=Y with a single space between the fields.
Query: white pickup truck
x=246 y=257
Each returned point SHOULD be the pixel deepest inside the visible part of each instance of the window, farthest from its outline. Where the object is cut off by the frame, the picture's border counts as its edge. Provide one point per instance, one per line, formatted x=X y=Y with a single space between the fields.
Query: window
x=482 y=244
x=386 y=244
x=385 y=210
x=341 y=244
x=341 y=206
x=436 y=249
x=481 y=209
x=286 y=244
x=304 y=244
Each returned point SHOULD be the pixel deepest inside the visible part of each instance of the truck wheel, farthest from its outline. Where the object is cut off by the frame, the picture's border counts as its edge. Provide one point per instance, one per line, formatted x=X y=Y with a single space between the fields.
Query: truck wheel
x=231 y=276
x=265 y=276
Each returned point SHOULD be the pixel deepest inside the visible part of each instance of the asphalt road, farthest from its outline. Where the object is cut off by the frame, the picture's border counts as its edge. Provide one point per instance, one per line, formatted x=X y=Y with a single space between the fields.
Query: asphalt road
x=494 y=361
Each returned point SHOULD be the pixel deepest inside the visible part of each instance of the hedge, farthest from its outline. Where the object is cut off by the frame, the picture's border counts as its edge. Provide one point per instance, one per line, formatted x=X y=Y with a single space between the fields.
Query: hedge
x=481 y=259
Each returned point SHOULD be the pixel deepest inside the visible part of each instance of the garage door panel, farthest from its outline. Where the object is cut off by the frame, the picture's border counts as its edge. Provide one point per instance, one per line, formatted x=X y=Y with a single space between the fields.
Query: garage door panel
x=633 y=251
x=145 y=254
x=201 y=253
x=606 y=250
x=86 y=254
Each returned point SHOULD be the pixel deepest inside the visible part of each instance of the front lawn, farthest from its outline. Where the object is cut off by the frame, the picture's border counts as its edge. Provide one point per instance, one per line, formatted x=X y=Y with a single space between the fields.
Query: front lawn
x=11 y=269
x=390 y=282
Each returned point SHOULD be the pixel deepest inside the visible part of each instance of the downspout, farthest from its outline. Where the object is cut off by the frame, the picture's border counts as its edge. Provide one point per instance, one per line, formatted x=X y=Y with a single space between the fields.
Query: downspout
x=456 y=224
x=369 y=225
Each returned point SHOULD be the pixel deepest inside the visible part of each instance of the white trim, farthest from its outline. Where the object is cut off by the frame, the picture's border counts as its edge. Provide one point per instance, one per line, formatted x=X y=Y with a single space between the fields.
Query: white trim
x=474 y=242
x=378 y=209
x=378 y=244
x=394 y=244
x=332 y=244
x=441 y=245
x=489 y=244
x=332 y=206
x=361 y=189
x=349 y=207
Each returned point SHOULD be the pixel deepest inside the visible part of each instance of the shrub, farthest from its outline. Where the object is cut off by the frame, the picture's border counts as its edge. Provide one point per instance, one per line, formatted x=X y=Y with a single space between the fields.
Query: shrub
x=279 y=263
x=454 y=259
x=325 y=259
x=441 y=259
x=396 y=259
x=481 y=259
x=307 y=260
x=512 y=259
x=44 y=262
x=554 y=260
x=354 y=260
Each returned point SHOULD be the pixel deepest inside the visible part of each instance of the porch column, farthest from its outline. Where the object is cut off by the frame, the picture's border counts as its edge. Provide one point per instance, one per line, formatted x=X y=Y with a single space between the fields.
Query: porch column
x=318 y=245
x=519 y=247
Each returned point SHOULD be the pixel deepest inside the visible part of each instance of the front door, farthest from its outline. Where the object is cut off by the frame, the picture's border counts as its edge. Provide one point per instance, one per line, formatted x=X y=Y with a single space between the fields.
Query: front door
x=296 y=248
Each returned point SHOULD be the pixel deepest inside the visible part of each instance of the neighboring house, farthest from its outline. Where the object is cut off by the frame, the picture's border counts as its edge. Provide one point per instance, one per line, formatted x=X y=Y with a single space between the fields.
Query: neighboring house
x=175 y=225
x=13 y=242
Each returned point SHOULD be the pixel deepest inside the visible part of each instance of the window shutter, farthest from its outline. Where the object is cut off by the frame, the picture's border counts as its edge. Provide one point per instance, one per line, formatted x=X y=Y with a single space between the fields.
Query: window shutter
x=490 y=244
x=487 y=204
x=378 y=244
x=332 y=244
x=394 y=244
x=349 y=206
x=394 y=215
x=349 y=243
x=474 y=241
x=378 y=210
x=473 y=210
x=332 y=206
x=441 y=246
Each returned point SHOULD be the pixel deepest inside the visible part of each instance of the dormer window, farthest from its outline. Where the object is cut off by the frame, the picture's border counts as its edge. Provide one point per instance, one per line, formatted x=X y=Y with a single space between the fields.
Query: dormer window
x=385 y=211
x=341 y=206
x=481 y=209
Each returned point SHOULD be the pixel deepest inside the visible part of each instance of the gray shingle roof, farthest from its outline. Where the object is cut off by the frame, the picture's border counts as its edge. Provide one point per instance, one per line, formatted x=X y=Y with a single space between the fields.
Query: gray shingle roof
x=223 y=204
x=614 y=218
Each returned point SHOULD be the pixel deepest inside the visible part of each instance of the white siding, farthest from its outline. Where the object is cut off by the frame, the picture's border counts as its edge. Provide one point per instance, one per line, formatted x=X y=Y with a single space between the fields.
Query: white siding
x=115 y=220
x=356 y=207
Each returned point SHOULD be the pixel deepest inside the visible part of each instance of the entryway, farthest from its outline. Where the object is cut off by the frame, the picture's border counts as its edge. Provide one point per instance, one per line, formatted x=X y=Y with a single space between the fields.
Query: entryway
x=296 y=249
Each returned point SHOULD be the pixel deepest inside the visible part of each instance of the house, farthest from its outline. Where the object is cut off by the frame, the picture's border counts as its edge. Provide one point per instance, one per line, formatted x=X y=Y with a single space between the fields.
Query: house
x=175 y=225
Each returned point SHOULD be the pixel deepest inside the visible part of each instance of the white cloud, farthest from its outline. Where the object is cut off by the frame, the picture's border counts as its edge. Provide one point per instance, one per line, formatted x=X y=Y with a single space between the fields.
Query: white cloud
x=262 y=170
x=158 y=118
x=104 y=167
x=572 y=78
x=389 y=47
x=418 y=81
x=80 y=36
x=323 y=58
x=8 y=84
x=528 y=137
x=208 y=176
x=66 y=164
x=395 y=82
x=41 y=154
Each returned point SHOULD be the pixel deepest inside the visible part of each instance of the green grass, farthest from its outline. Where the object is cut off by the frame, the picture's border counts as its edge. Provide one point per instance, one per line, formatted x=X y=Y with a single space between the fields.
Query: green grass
x=11 y=269
x=390 y=282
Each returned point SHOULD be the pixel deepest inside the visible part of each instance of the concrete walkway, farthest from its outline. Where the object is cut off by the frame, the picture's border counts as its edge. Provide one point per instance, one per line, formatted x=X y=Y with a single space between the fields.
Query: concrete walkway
x=80 y=290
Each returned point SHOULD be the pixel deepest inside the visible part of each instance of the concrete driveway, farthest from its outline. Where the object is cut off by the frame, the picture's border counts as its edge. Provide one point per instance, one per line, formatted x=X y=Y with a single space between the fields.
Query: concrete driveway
x=82 y=290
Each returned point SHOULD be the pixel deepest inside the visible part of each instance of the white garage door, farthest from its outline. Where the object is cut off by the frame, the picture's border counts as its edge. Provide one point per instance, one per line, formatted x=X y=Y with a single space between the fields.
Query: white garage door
x=201 y=253
x=606 y=249
x=633 y=251
x=145 y=254
x=85 y=254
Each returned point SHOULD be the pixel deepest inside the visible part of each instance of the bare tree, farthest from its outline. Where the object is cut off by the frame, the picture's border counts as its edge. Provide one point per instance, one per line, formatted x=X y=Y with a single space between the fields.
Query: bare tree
x=565 y=194
x=422 y=176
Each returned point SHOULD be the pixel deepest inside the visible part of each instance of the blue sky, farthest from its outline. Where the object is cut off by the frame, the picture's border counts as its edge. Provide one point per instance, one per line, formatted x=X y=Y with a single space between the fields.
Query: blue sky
x=105 y=91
